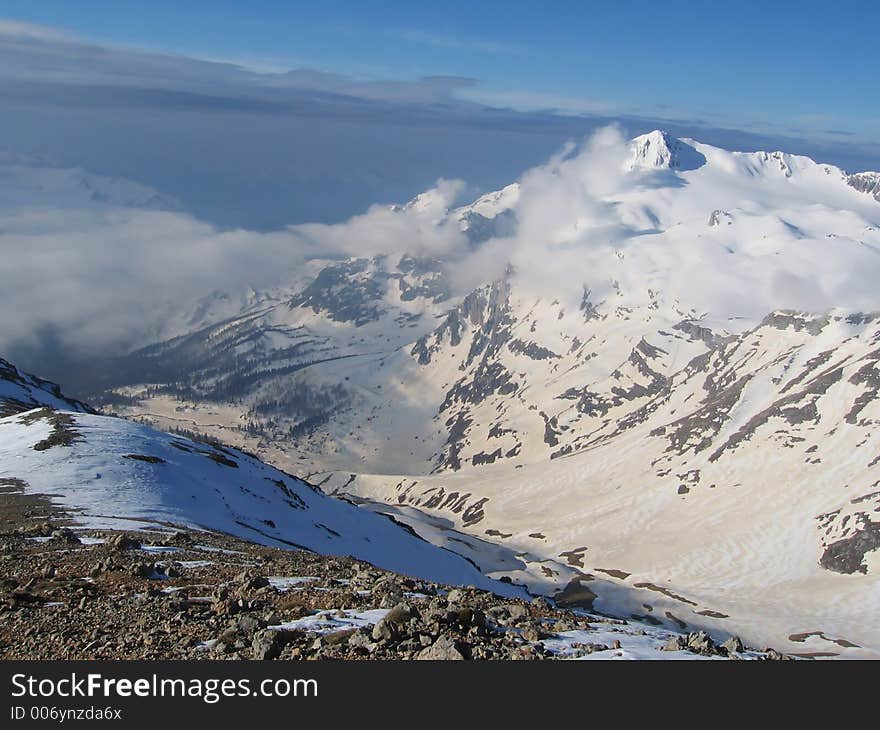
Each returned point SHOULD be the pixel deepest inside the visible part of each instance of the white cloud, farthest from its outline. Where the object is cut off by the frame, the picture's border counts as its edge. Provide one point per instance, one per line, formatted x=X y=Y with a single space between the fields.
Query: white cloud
x=101 y=273
x=589 y=219
x=458 y=42
x=530 y=101
x=20 y=29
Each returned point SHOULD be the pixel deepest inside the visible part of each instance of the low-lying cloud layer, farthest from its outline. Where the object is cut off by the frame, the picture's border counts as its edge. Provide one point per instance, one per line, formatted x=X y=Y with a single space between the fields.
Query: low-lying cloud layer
x=91 y=261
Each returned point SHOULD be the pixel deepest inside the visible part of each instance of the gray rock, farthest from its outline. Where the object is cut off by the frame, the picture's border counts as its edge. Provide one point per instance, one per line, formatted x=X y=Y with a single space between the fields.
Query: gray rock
x=360 y=639
x=142 y=570
x=444 y=649
x=508 y=612
x=409 y=645
x=391 y=599
x=733 y=645
x=400 y=614
x=251 y=581
x=268 y=643
x=247 y=625
x=773 y=655
x=183 y=539
x=384 y=631
x=466 y=617
x=339 y=637
x=65 y=534
x=700 y=642
x=454 y=596
x=531 y=634
x=122 y=542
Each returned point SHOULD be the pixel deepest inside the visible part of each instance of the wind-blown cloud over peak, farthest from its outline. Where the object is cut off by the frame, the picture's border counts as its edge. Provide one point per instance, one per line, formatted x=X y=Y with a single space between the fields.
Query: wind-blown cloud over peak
x=640 y=223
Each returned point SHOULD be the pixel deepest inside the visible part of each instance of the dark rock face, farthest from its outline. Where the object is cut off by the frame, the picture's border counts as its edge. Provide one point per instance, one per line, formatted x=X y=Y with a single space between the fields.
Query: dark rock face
x=444 y=649
x=346 y=292
x=696 y=331
x=551 y=430
x=867 y=375
x=531 y=350
x=31 y=392
x=458 y=426
x=480 y=229
x=484 y=458
x=718 y=217
x=64 y=432
x=797 y=321
x=848 y=555
x=489 y=378
x=431 y=283
x=486 y=311
x=474 y=512
x=589 y=402
x=587 y=307
x=576 y=595
x=866 y=182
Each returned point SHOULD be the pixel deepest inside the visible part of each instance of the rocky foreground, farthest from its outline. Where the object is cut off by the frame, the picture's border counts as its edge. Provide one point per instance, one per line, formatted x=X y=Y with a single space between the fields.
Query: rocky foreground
x=172 y=594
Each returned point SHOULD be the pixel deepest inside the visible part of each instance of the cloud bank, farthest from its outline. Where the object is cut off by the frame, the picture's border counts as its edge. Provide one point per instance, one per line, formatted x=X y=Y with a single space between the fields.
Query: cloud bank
x=98 y=264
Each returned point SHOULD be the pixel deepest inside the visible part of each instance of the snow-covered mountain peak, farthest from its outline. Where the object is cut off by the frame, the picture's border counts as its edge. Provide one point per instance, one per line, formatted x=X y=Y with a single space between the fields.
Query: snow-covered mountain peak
x=493 y=203
x=659 y=150
x=676 y=387
x=430 y=201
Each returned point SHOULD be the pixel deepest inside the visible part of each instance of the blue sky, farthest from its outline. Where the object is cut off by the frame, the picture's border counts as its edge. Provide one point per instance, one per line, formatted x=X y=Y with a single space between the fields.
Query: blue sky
x=791 y=67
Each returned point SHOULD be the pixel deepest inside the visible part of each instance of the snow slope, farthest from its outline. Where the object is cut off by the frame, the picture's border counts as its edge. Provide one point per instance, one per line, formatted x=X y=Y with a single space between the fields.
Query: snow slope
x=113 y=474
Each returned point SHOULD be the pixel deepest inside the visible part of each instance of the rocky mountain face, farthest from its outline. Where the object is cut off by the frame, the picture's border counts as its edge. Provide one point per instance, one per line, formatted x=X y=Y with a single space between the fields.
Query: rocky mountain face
x=866 y=182
x=20 y=391
x=681 y=421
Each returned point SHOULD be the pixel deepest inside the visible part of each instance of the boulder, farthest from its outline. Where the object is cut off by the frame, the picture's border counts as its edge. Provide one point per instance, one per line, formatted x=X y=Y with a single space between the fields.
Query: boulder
x=122 y=542
x=733 y=645
x=268 y=643
x=444 y=649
